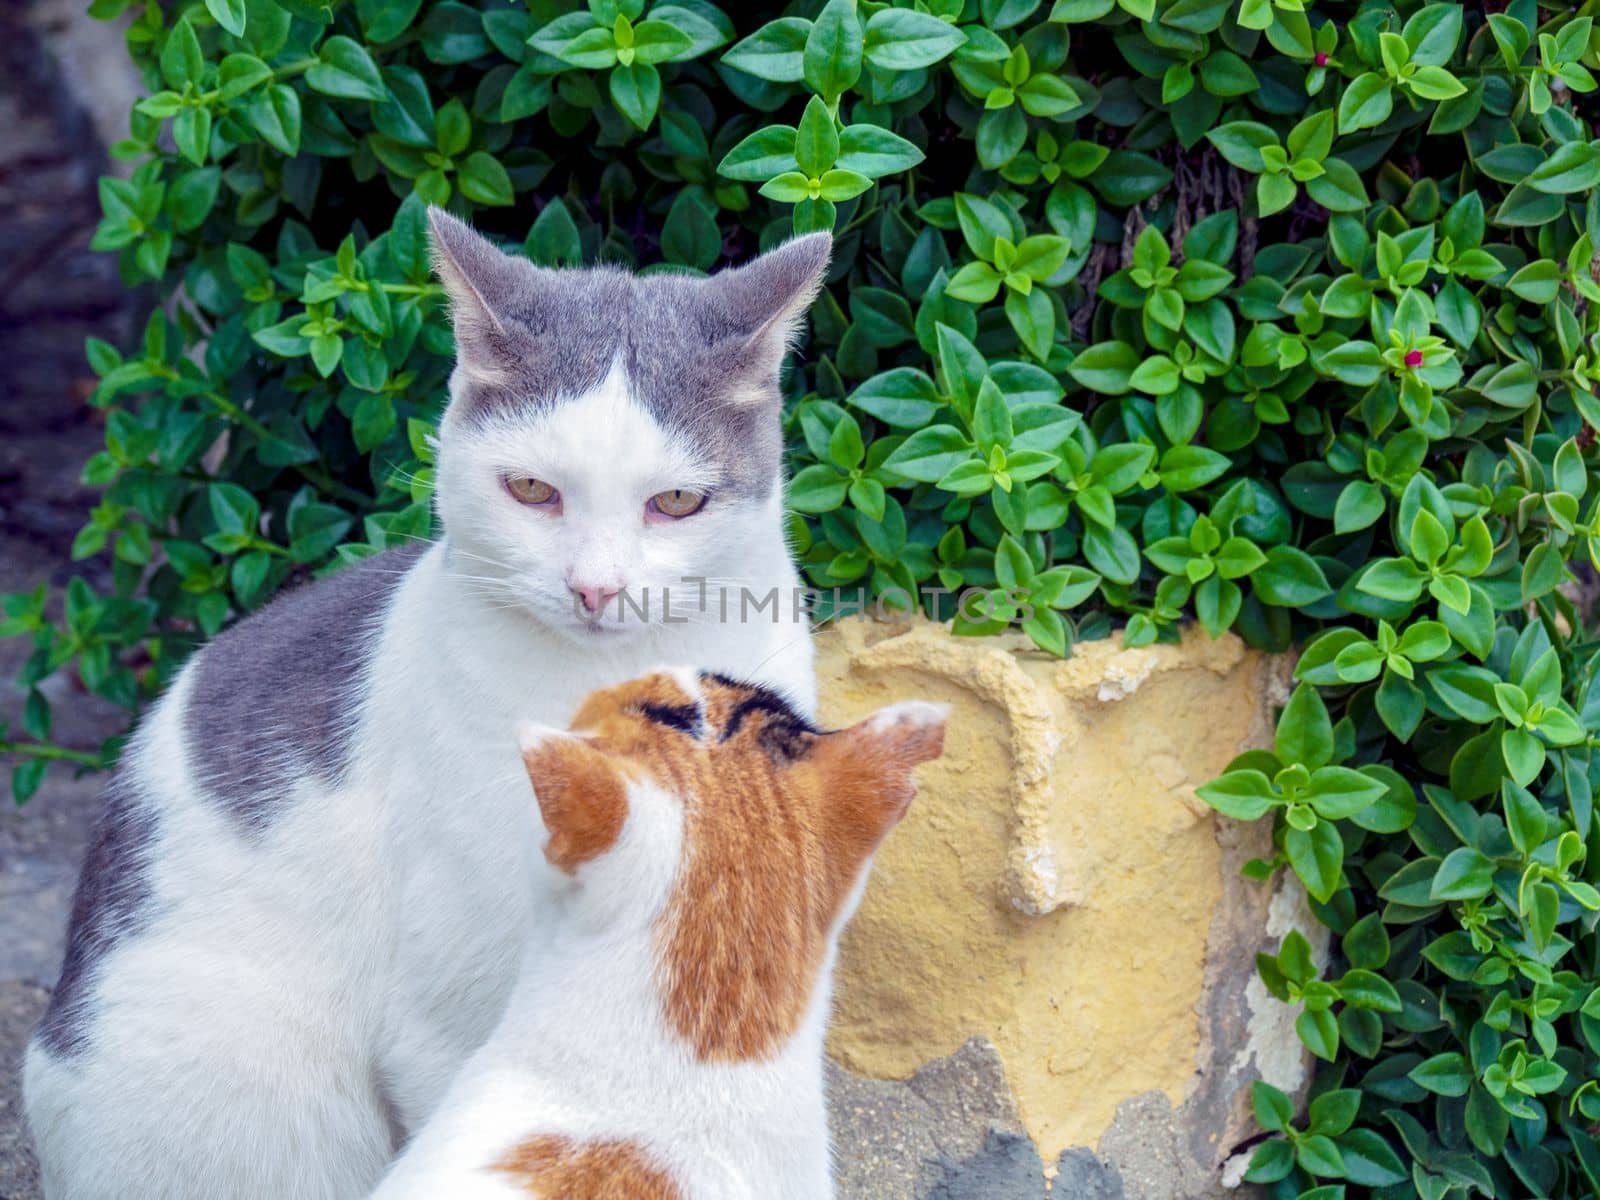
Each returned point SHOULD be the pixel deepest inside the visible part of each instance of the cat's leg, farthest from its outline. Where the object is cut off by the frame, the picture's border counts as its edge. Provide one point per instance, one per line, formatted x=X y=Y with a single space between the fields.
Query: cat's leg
x=219 y=1081
x=211 y=1036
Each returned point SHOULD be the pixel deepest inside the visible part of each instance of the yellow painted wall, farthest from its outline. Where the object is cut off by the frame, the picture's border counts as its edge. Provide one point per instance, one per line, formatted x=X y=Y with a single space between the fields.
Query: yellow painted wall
x=1053 y=885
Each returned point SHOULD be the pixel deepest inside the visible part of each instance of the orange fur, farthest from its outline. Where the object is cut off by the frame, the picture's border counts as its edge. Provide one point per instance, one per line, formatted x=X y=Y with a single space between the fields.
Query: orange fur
x=778 y=821
x=558 y=1168
x=582 y=798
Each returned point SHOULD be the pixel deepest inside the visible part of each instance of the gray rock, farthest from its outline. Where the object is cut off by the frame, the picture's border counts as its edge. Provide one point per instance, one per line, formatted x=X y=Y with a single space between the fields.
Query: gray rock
x=1008 y=1167
x=951 y=1125
x=21 y=1003
x=1147 y=1147
x=1082 y=1176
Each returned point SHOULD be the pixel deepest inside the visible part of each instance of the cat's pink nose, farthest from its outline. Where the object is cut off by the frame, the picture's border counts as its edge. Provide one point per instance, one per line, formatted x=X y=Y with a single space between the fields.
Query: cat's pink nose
x=592 y=596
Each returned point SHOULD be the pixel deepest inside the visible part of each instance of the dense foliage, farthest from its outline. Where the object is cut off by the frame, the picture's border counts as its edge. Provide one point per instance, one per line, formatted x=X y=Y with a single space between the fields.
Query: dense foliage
x=1275 y=318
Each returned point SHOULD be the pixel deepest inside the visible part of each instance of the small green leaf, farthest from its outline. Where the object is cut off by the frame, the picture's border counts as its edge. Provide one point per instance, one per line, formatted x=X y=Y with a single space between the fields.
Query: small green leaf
x=346 y=70
x=1465 y=874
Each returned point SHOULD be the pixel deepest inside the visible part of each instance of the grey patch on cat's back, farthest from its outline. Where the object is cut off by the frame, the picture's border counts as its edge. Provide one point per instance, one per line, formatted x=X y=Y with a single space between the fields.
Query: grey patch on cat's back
x=277 y=696
x=111 y=903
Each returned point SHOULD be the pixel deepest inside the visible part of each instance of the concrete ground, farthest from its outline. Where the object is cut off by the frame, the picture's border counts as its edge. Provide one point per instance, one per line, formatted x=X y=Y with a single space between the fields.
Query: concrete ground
x=53 y=294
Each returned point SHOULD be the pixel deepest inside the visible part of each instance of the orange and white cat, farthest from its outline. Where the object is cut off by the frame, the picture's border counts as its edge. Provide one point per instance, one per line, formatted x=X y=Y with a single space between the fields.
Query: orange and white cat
x=664 y=1039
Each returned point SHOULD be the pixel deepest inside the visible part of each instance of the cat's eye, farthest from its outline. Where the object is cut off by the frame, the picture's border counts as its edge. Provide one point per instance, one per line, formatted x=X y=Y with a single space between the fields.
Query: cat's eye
x=677 y=503
x=531 y=491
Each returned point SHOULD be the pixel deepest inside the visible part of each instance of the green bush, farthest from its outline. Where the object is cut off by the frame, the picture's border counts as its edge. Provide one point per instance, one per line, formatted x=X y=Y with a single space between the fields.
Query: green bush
x=1277 y=319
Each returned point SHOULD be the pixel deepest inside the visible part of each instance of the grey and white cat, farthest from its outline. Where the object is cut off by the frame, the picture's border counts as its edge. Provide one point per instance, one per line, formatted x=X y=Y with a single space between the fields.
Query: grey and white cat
x=305 y=901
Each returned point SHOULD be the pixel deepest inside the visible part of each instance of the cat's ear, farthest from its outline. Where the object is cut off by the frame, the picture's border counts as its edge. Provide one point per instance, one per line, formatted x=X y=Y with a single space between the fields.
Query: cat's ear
x=582 y=796
x=871 y=766
x=764 y=302
x=484 y=285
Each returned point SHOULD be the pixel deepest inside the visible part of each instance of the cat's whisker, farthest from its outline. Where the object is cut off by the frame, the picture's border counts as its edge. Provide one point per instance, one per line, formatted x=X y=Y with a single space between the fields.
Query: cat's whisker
x=483 y=558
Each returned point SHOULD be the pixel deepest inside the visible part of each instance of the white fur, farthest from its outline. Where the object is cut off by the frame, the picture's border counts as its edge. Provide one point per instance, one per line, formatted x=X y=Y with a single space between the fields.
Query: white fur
x=584 y=1052
x=910 y=712
x=298 y=1000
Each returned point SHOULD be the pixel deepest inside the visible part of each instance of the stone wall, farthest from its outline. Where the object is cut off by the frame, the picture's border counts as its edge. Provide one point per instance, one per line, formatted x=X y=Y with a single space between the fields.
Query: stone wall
x=1060 y=894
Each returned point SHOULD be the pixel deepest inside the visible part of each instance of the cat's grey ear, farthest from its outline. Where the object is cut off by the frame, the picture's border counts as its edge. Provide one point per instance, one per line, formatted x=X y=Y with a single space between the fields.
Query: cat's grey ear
x=485 y=285
x=765 y=301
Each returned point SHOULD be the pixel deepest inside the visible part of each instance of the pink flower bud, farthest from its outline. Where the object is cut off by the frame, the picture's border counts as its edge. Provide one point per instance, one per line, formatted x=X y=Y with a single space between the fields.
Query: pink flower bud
x=1321 y=59
x=1413 y=358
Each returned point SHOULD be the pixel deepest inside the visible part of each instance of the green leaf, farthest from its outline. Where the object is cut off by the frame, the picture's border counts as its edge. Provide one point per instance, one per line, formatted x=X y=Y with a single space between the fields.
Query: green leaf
x=1305 y=731
x=1320 y=1156
x=1339 y=188
x=816 y=144
x=191 y=131
x=182 y=63
x=690 y=235
x=1317 y=856
x=1369 y=1161
x=1435 y=83
x=1242 y=795
x=976 y=283
x=874 y=152
x=1524 y=755
x=1465 y=874
x=1289 y=577
x=191 y=196
x=553 y=240
x=1156 y=375
x=1573 y=167
x=230 y=14
x=636 y=91
x=816 y=489
x=775 y=52
x=385 y=20
x=1360 y=504
x=899 y=39
x=239 y=73
x=484 y=179
x=1127 y=177
x=833 y=49
x=345 y=69
x=314 y=530
x=234 y=510
x=1357 y=363
x=1339 y=792
x=1270 y=1162
x=1047 y=96
x=1368 y=101
x=903 y=397
x=1274 y=1111
x=1185 y=468
x=768 y=152
x=1444 y=1074
x=1393 y=579
x=930 y=453
x=1538 y=282
x=982 y=222
x=1319 y=1031
x=657 y=41
x=1106 y=367
x=275 y=113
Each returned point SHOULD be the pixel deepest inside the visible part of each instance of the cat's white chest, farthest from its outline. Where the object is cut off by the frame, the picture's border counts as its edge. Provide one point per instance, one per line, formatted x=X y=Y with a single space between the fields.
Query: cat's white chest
x=464 y=835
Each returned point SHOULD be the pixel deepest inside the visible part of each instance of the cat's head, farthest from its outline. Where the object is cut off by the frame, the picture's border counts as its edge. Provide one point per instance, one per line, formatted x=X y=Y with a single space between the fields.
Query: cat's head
x=708 y=815
x=612 y=433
